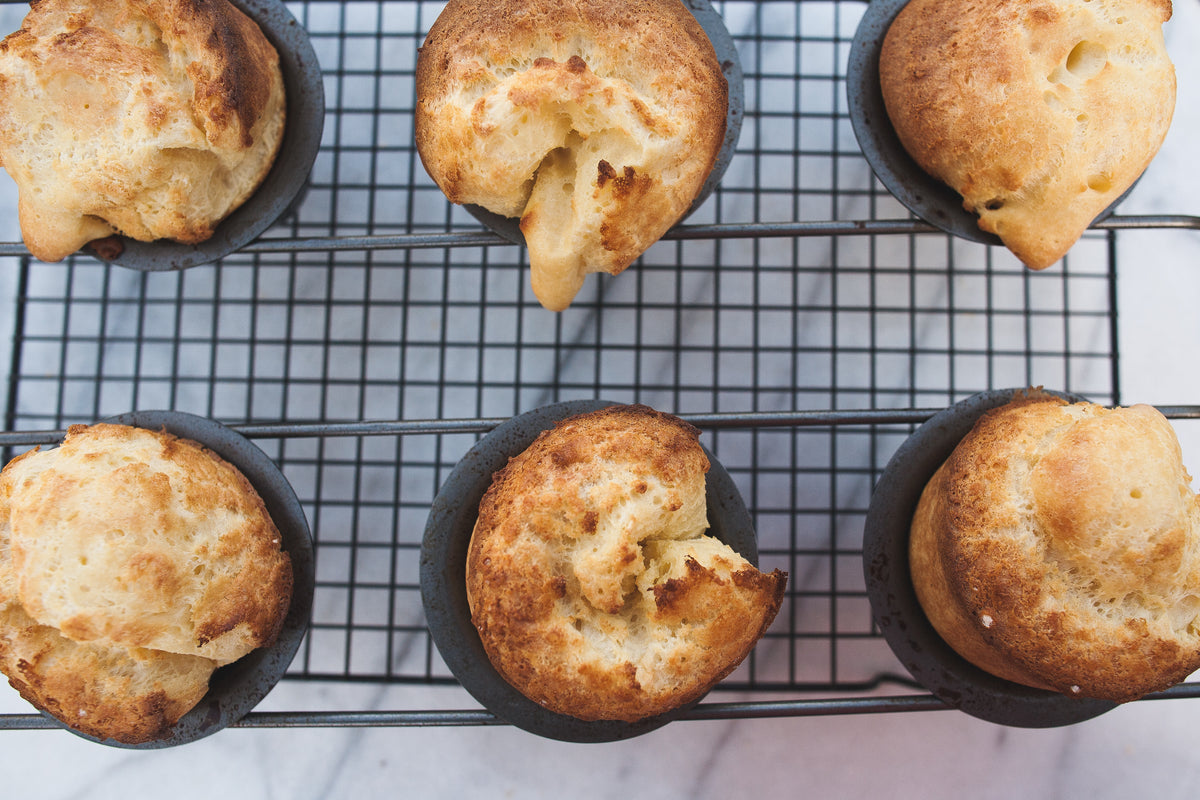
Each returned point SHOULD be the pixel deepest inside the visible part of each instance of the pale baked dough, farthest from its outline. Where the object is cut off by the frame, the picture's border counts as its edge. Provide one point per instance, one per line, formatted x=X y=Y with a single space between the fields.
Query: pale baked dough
x=1040 y=113
x=154 y=120
x=595 y=589
x=130 y=695
x=137 y=538
x=132 y=565
x=596 y=122
x=1059 y=547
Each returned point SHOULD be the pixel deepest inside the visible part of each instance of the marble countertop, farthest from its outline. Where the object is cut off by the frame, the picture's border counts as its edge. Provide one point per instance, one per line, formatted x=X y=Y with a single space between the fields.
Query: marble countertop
x=1142 y=749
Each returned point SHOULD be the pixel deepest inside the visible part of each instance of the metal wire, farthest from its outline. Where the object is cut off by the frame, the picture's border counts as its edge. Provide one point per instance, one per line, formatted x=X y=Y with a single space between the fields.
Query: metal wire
x=801 y=318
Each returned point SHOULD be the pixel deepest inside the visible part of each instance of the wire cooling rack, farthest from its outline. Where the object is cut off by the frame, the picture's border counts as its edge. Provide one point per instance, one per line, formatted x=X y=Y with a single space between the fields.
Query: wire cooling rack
x=801 y=318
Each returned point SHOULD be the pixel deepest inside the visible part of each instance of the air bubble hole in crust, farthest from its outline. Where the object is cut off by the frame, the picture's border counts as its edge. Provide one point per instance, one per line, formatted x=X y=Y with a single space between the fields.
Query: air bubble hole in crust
x=1087 y=59
x=1099 y=183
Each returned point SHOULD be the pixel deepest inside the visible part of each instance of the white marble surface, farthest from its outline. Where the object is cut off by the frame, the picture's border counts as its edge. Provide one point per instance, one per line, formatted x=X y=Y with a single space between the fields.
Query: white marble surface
x=1144 y=749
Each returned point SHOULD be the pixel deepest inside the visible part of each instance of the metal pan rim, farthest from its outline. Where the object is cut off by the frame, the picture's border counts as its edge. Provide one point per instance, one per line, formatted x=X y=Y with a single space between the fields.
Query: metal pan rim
x=443 y=575
x=895 y=610
x=286 y=182
x=236 y=688
x=925 y=196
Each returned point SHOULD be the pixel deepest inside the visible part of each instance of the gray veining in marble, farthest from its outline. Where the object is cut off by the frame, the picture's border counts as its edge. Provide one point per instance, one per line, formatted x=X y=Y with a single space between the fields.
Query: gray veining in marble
x=1144 y=748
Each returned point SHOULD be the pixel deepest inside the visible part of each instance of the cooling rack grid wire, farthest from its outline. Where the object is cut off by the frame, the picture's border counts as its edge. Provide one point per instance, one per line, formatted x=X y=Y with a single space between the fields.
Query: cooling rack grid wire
x=801 y=318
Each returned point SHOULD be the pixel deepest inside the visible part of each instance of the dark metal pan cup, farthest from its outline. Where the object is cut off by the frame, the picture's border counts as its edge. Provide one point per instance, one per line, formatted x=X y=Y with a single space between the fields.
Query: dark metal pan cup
x=283 y=188
x=925 y=196
x=894 y=606
x=236 y=688
x=443 y=575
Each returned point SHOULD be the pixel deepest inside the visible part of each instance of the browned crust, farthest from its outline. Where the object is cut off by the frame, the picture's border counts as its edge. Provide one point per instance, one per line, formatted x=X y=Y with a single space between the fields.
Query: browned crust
x=524 y=590
x=1031 y=560
x=130 y=696
x=151 y=139
x=979 y=95
x=505 y=90
x=235 y=73
x=657 y=45
x=229 y=59
x=208 y=543
x=256 y=598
